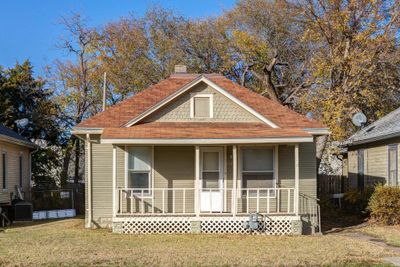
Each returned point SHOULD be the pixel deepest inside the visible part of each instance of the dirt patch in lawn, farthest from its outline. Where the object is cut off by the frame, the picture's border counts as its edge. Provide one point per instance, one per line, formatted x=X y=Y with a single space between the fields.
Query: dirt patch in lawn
x=67 y=243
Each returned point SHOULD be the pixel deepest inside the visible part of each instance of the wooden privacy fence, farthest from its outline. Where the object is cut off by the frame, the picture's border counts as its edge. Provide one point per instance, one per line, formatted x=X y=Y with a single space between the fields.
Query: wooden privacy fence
x=331 y=184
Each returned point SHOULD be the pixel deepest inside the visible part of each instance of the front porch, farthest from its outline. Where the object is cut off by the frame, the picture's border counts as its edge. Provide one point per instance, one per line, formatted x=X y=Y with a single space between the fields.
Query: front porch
x=206 y=189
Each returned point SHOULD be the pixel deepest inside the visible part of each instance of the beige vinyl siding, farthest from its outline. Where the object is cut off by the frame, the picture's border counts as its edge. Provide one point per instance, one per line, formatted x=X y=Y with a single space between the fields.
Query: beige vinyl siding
x=102 y=168
x=375 y=165
x=375 y=162
x=224 y=109
x=13 y=152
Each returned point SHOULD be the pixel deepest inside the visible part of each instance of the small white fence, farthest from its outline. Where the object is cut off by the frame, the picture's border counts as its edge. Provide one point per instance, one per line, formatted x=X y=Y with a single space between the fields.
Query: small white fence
x=182 y=201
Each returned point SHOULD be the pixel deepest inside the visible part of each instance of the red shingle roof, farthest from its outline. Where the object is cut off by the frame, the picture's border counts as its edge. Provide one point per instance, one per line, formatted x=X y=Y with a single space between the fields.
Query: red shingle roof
x=193 y=130
x=113 y=119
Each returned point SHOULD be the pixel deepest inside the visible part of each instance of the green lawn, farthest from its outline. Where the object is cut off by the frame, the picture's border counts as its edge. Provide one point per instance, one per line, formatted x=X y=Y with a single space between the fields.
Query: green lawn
x=67 y=243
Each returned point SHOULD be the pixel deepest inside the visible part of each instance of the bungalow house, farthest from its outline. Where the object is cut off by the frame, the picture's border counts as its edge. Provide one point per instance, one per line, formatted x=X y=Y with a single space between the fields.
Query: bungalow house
x=372 y=153
x=199 y=153
x=15 y=164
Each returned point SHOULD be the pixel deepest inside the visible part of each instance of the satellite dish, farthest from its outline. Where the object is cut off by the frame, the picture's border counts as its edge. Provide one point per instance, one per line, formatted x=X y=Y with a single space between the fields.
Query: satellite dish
x=359 y=119
x=310 y=115
x=22 y=123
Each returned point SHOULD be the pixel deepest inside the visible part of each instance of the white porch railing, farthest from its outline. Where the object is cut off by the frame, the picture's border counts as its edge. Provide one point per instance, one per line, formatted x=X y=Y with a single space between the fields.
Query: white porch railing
x=311 y=209
x=182 y=201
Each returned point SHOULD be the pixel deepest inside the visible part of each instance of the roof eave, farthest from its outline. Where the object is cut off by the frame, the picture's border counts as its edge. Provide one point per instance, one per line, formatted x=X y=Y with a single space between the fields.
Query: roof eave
x=373 y=139
x=86 y=130
x=268 y=140
x=317 y=131
x=16 y=141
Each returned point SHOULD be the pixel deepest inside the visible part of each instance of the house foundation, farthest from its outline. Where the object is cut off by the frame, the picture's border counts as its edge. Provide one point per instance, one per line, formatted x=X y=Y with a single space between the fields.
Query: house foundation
x=274 y=225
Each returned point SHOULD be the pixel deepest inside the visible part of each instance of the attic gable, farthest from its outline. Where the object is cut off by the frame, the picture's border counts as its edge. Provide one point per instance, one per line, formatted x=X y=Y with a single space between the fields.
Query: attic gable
x=222 y=109
x=189 y=86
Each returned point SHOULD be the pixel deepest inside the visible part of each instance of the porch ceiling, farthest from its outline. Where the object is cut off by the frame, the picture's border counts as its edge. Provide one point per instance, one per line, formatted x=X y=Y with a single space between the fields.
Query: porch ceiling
x=187 y=130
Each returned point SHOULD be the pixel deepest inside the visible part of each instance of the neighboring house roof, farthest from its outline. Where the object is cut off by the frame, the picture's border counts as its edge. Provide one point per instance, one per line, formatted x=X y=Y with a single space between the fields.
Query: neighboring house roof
x=384 y=128
x=125 y=119
x=11 y=136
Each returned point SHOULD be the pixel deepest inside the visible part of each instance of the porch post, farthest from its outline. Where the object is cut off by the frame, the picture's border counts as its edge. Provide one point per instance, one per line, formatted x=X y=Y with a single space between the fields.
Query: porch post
x=89 y=181
x=296 y=179
x=234 y=173
x=197 y=181
x=114 y=181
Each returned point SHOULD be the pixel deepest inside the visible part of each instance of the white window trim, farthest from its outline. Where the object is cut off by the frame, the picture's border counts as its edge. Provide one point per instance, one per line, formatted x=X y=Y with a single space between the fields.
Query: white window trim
x=211 y=104
x=4 y=180
x=151 y=173
x=274 y=167
x=221 y=168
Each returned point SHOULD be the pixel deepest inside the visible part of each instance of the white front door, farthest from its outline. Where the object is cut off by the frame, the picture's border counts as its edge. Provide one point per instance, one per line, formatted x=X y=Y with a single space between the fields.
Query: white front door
x=211 y=175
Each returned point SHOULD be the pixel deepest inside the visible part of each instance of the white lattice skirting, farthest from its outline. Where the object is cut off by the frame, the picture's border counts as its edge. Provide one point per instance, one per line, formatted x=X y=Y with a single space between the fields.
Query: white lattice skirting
x=279 y=225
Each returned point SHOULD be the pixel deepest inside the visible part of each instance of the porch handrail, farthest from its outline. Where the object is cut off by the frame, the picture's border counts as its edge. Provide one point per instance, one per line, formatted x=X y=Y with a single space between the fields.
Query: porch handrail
x=180 y=201
x=311 y=209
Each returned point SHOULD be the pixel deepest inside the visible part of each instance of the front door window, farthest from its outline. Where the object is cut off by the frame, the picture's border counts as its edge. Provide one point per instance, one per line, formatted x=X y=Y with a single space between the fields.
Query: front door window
x=211 y=173
x=211 y=170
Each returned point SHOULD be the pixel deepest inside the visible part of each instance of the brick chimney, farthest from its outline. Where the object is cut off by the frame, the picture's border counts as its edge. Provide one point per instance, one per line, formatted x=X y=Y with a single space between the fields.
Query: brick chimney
x=180 y=69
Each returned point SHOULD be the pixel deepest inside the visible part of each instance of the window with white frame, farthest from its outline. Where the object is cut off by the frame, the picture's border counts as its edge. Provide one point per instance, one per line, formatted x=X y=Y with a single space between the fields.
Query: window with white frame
x=201 y=106
x=139 y=169
x=392 y=165
x=20 y=171
x=257 y=167
x=4 y=170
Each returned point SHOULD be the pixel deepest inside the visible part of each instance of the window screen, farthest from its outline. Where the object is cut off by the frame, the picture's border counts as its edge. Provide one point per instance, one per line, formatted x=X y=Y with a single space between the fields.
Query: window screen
x=257 y=168
x=201 y=107
x=139 y=168
x=210 y=170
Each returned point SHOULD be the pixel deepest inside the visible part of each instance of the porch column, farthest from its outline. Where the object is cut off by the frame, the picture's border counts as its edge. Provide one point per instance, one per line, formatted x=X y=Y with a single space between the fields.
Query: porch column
x=197 y=181
x=296 y=179
x=114 y=182
x=234 y=178
x=89 y=181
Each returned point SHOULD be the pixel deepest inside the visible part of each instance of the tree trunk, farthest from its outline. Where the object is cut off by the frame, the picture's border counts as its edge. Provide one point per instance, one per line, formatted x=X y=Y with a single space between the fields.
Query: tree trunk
x=320 y=143
x=67 y=160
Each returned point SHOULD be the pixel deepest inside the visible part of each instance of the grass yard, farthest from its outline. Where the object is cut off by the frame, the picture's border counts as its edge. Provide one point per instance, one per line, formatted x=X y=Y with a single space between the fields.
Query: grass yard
x=67 y=243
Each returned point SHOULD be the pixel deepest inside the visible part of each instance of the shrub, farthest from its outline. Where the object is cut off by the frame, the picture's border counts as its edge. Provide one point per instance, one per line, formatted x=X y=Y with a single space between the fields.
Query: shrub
x=384 y=205
x=356 y=201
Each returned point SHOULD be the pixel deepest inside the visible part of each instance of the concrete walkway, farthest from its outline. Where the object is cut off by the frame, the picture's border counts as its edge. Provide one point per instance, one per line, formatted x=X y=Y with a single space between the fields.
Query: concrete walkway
x=366 y=238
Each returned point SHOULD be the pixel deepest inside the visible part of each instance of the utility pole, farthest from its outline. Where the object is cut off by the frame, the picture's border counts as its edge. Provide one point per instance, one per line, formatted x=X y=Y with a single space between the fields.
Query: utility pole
x=104 y=90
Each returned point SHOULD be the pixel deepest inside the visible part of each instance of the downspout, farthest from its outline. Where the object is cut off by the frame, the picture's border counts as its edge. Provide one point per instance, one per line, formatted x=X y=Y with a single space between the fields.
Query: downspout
x=89 y=180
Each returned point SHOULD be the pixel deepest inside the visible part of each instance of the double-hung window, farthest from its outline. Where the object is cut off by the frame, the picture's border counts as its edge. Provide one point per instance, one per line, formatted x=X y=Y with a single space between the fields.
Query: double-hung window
x=20 y=171
x=4 y=170
x=139 y=169
x=392 y=166
x=257 y=168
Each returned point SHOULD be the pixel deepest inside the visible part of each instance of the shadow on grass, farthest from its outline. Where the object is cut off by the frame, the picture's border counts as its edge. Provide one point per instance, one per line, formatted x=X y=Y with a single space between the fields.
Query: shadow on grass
x=335 y=219
x=39 y=222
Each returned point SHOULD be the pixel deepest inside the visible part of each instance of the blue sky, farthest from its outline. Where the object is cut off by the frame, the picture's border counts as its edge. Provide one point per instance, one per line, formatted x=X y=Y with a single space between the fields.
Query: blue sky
x=30 y=29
